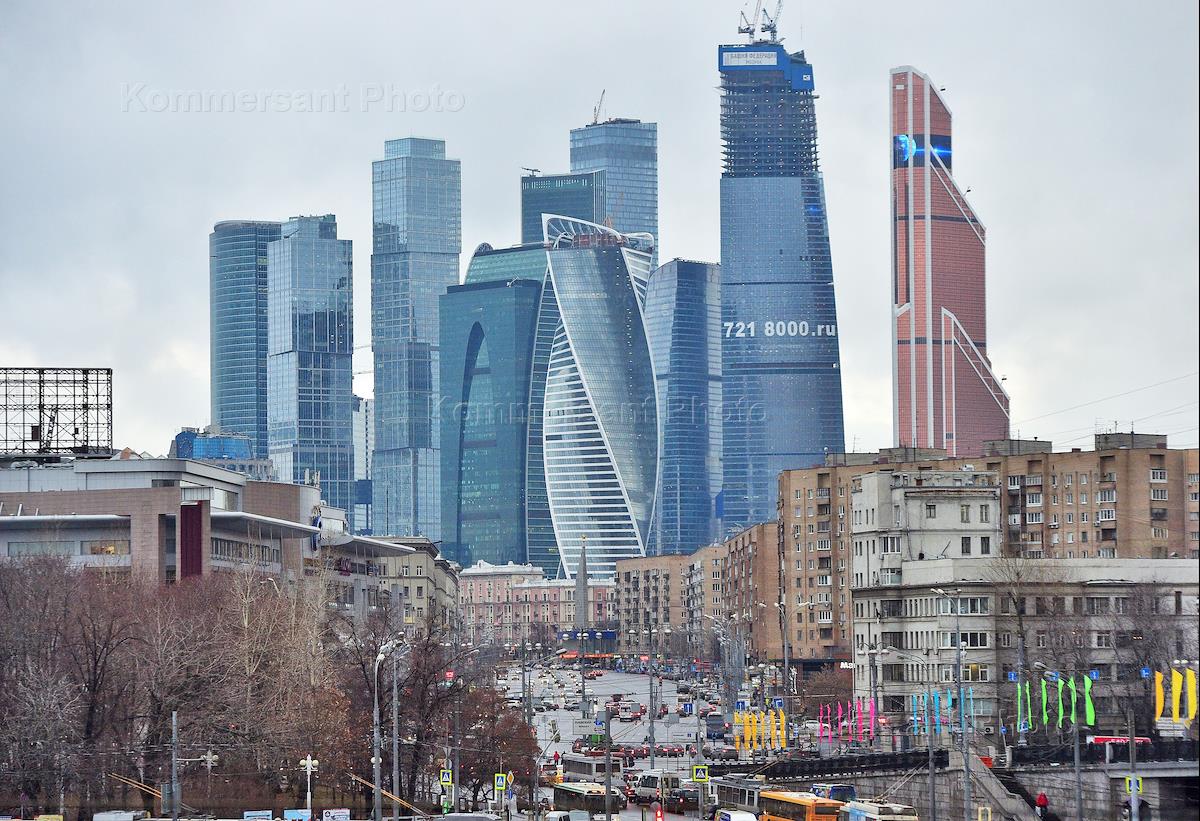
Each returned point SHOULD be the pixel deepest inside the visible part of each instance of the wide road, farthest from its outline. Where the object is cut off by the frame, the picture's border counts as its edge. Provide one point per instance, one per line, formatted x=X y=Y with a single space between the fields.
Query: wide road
x=563 y=686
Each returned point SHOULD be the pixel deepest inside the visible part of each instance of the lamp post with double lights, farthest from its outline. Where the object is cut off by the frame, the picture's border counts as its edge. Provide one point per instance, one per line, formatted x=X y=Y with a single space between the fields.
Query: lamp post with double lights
x=388 y=648
x=309 y=765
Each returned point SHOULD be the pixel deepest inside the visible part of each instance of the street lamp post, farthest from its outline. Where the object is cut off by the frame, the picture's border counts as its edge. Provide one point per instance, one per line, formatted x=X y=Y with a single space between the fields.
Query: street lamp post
x=309 y=765
x=927 y=667
x=385 y=650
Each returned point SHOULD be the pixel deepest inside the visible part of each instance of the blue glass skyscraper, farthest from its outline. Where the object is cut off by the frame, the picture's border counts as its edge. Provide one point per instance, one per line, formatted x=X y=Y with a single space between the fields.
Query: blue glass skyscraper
x=627 y=152
x=487 y=329
x=417 y=196
x=570 y=195
x=237 y=265
x=782 y=386
x=310 y=352
x=683 y=322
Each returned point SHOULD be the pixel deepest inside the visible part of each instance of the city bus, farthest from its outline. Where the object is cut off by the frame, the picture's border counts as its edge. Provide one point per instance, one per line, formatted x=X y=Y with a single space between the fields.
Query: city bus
x=785 y=805
x=838 y=792
x=579 y=767
x=584 y=796
x=876 y=811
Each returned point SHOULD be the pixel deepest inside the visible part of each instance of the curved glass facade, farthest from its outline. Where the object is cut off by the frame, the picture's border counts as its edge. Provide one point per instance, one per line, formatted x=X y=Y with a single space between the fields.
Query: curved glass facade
x=237 y=264
x=782 y=384
x=600 y=415
x=683 y=317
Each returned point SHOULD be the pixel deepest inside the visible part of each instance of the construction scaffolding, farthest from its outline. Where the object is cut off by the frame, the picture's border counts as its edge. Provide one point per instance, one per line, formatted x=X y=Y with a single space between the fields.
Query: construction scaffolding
x=55 y=412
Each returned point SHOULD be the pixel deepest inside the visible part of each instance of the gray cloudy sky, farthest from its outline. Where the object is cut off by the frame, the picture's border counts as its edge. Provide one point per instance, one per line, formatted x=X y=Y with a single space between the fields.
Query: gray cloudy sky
x=1075 y=126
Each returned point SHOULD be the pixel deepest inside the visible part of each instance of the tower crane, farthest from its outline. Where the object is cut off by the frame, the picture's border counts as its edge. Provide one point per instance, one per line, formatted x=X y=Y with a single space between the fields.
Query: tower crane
x=750 y=26
x=533 y=172
x=596 y=110
x=770 y=24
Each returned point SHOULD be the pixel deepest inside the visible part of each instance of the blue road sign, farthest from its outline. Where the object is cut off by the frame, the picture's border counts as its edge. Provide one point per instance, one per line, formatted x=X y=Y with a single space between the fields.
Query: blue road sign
x=1094 y=675
x=777 y=702
x=1145 y=672
x=1052 y=676
x=1003 y=729
x=1012 y=675
x=740 y=705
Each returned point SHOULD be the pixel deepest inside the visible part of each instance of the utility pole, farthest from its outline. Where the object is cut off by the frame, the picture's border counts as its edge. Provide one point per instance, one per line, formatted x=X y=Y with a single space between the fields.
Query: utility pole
x=873 y=654
x=653 y=711
x=608 y=764
x=1022 y=724
x=962 y=706
x=929 y=739
x=1078 y=772
x=1135 y=795
x=395 y=739
x=174 y=766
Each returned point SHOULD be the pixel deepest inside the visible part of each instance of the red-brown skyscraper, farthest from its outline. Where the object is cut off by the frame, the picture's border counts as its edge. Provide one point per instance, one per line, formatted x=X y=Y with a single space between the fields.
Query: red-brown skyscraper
x=945 y=394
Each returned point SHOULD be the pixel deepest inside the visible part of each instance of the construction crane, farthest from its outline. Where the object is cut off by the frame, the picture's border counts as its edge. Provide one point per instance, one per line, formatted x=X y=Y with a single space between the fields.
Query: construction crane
x=533 y=172
x=771 y=22
x=750 y=26
x=596 y=110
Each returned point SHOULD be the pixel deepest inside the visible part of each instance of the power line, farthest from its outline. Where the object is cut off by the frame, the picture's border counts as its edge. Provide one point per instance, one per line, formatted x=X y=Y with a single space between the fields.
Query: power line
x=1106 y=398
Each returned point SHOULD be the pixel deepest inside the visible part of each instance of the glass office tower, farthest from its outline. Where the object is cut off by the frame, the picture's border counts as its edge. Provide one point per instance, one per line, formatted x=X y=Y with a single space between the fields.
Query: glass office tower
x=572 y=195
x=627 y=152
x=417 y=195
x=310 y=353
x=487 y=334
x=600 y=416
x=782 y=386
x=363 y=416
x=683 y=320
x=237 y=267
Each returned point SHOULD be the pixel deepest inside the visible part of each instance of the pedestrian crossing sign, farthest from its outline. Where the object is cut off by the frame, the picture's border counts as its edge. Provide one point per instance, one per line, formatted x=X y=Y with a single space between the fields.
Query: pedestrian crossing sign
x=700 y=773
x=501 y=782
x=446 y=777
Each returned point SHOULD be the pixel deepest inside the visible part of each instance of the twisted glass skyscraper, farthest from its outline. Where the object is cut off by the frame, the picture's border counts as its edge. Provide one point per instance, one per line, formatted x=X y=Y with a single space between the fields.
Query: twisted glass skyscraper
x=417 y=209
x=599 y=434
x=309 y=363
x=237 y=264
x=782 y=387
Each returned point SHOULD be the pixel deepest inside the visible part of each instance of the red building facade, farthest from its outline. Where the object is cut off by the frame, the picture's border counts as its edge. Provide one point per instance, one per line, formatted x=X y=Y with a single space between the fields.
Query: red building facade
x=945 y=392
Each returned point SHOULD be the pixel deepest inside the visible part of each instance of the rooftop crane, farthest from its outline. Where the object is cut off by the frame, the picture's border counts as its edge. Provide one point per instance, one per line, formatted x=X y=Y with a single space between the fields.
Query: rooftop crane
x=770 y=24
x=750 y=26
x=596 y=110
x=533 y=172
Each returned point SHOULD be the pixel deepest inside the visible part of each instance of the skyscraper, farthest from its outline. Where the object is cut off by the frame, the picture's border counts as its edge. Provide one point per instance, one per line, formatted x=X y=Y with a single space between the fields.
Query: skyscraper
x=310 y=352
x=781 y=385
x=627 y=152
x=572 y=195
x=946 y=394
x=600 y=418
x=486 y=351
x=237 y=265
x=417 y=195
x=683 y=321
x=363 y=416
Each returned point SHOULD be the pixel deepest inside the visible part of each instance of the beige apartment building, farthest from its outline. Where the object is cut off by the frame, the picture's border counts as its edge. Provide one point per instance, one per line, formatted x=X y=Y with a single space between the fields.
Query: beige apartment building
x=751 y=575
x=544 y=609
x=1130 y=497
x=427 y=585
x=651 y=604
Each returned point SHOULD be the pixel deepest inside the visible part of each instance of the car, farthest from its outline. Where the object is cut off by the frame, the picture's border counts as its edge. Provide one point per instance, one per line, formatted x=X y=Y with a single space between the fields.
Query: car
x=682 y=800
x=675 y=750
x=663 y=710
x=641 y=751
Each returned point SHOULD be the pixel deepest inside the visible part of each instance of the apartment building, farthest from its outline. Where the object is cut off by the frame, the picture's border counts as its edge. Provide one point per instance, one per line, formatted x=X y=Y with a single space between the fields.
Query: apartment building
x=651 y=604
x=544 y=608
x=487 y=602
x=704 y=601
x=751 y=575
x=427 y=584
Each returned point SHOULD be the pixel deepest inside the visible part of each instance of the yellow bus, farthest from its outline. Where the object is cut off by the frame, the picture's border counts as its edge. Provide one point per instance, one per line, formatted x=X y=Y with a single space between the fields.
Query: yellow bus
x=785 y=805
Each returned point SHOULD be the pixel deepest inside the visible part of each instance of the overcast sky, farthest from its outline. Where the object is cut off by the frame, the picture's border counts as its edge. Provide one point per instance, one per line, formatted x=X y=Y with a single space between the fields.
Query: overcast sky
x=1075 y=126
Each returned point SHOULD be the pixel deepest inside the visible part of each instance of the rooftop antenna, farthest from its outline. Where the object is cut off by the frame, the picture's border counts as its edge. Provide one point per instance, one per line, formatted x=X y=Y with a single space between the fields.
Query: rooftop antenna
x=770 y=24
x=533 y=172
x=750 y=26
x=596 y=110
